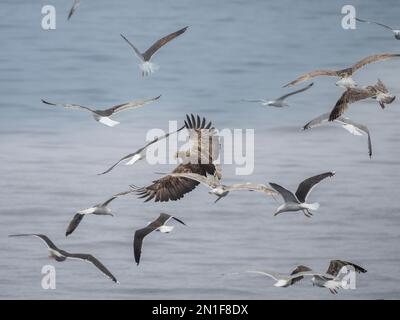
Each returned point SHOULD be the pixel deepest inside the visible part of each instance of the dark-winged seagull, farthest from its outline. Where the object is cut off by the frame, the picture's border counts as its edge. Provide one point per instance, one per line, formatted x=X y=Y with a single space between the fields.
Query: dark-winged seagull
x=140 y=153
x=354 y=128
x=104 y=116
x=61 y=255
x=297 y=202
x=199 y=159
x=396 y=32
x=345 y=75
x=157 y=225
x=99 y=209
x=378 y=91
x=75 y=6
x=334 y=270
x=221 y=190
x=281 y=101
x=146 y=65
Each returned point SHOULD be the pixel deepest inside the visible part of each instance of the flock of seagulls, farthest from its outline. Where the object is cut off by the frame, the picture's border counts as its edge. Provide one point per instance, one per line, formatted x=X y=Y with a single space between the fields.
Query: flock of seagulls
x=198 y=163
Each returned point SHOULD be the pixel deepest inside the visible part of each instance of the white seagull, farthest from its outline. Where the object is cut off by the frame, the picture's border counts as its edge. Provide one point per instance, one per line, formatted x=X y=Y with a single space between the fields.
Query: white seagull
x=286 y=280
x=61 y=255
x=333 y=281
x=146 y=65
x=281 y=101
x=157 y=225
x=140 y=153
x=354 y=128
x=221 y=190
x=99 y=210
x=75 y=6
x=104 y=116
x=297 y=202
x=396 y=32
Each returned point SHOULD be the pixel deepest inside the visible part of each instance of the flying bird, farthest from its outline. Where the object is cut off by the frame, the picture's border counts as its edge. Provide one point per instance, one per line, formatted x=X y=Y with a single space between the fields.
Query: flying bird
x=157 y=225
x=140 y=153
x=99 y=209
x=378 y=91
x=146 y=65
x=345 y=75
x=61 y=255
x=396 y=32
x=199 y=159
x=297 y=202
x=281 y=101
x=285 y=280
x=104 y=116
x=221 y=190
x=333 y=281
x=73 y=8
x=354 y=128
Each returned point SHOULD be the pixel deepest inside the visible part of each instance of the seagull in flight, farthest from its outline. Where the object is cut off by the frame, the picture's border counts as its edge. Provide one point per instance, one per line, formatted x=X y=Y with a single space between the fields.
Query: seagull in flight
x=286 y=280
x=146 y=65
x=378 y=91
x=335 y=269
x=157 y=225
x=281 y=101
x=396 y=32
x=140 y=153
x=221 y=190
x=297 y=202
x=99 y=210
x=200 y=158
x=345 y=75
x=61 y=255
x=104 y=116
x=73 y=8
x=354 y=128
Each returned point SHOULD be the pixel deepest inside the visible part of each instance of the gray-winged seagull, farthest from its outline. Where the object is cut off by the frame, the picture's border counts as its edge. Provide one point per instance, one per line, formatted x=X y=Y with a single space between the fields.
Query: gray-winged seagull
x=61 y=255
x=281 y=101
x=146 y=65
x=99 y=209
x=297 y=202
x=104 y=116
x=354 y=128
x=396 y=32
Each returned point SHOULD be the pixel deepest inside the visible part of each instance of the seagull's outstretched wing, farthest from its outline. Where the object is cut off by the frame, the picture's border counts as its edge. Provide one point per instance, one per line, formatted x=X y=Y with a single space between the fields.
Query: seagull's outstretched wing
x=129 y=105
x=336 y=265
x=273 y=275
x=252 y=187
x=295 y=92
x=91 y=259
x=349 y=96
x=73 y=8
x=137 y=152
x=69 y=106
x=162 y=42
x=307 y=185
x=379 y=24
x=45 y=239
x=373 y=58
x=76 y=220
x=287 y=195
x=136 y=50
x=311 y=75
x=255 y=100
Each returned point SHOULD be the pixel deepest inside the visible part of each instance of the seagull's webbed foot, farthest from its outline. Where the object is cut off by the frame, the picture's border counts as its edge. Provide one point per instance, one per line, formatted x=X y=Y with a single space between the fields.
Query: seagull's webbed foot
x=219 y=198
x=307 y=213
